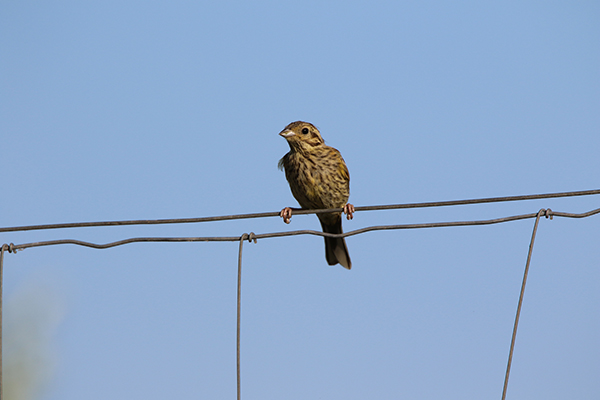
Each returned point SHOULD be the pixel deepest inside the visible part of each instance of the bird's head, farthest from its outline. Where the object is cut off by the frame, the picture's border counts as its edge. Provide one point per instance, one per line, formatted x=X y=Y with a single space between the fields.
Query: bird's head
x=302 y=135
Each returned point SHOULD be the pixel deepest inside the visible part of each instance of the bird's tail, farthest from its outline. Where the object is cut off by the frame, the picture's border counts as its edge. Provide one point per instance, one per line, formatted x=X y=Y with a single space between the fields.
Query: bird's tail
x=335 y=248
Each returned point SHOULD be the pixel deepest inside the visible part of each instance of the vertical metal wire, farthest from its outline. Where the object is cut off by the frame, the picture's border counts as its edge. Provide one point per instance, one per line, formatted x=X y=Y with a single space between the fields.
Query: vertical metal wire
x=4 y=247
x=239 y=314
x=514 y=334
x=251 y=238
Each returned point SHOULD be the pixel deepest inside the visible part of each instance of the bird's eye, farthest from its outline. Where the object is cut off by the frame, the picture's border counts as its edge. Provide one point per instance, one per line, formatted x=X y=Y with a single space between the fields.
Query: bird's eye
x=305 y=130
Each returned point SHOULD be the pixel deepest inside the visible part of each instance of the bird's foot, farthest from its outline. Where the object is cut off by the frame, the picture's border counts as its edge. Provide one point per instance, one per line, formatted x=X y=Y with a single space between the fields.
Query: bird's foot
x=348 y=210
x=286 y=214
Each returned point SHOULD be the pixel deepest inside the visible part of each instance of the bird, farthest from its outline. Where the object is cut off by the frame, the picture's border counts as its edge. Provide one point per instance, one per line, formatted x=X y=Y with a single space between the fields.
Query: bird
x=319 y=179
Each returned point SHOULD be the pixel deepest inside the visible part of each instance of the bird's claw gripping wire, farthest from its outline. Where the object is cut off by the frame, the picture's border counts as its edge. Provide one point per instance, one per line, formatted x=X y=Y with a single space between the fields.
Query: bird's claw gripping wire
x=349 y=211
x=286 y=214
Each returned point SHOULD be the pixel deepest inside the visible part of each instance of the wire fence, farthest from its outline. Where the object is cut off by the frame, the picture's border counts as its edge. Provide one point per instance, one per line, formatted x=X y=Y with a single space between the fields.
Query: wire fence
x=548 y=213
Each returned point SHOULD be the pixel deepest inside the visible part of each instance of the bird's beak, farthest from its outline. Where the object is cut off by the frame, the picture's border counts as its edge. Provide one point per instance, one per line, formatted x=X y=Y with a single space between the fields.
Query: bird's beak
x=287 y=133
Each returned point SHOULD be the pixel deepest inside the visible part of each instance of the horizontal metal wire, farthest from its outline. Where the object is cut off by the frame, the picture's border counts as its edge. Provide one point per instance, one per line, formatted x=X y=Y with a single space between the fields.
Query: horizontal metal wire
x=299 y=212
x=548 y=213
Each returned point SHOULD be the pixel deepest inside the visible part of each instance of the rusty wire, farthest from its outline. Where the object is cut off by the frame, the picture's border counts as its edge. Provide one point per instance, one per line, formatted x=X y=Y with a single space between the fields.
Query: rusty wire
x=299 y=212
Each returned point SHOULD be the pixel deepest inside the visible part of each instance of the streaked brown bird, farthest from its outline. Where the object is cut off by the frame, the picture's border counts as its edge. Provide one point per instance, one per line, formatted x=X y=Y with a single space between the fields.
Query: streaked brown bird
x=319 y=179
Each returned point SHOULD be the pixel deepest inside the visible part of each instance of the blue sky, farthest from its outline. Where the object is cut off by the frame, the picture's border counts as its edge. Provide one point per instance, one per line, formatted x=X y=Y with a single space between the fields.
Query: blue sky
x=142 y=110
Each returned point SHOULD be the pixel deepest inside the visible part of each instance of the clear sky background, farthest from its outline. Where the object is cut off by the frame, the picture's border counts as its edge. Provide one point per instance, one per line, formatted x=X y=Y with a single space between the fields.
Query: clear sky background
x=143 y=109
